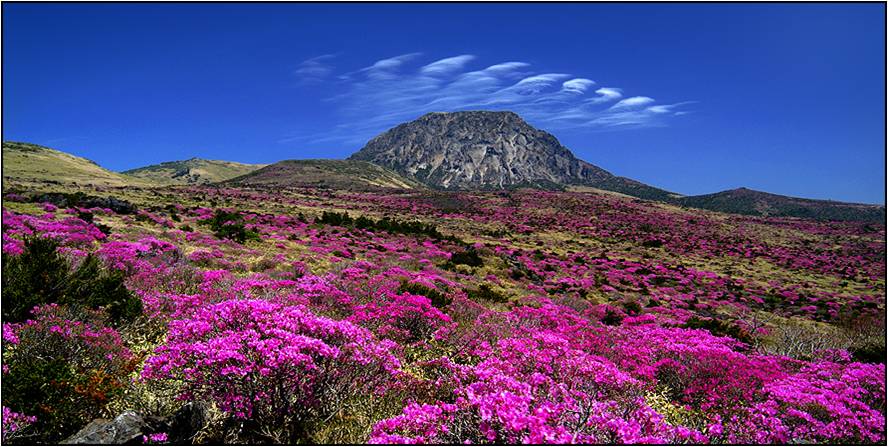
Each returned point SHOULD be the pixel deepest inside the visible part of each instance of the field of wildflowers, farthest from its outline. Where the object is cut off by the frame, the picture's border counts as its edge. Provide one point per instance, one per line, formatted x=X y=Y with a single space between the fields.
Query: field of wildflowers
x=326 y=316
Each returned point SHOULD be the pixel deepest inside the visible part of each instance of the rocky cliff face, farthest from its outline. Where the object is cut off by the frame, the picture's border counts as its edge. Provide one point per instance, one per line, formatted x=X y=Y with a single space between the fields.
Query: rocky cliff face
x=478 y=150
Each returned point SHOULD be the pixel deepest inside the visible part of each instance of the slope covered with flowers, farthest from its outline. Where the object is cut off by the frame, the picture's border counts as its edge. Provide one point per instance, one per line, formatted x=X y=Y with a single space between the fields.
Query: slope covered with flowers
x=423 y=317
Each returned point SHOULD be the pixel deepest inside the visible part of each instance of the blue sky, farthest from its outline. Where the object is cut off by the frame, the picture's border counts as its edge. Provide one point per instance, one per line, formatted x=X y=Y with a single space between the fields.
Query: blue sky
x=693 y=98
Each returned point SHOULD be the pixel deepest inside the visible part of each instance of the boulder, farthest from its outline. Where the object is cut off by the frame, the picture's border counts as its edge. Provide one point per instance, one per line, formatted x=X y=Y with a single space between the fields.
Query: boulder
x=124 y=429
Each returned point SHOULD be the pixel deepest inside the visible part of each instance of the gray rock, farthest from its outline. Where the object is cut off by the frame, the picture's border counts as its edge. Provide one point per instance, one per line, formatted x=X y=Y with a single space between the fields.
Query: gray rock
x=471 y=150
x=489 y=150
x=124 y=429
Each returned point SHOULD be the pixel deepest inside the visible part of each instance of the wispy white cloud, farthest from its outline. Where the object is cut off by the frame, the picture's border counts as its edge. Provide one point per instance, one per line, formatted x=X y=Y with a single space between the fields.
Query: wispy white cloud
x=387 y=68
x=633 y=102
x=315 y=69
x=446 y=66
x=401 y=88
x=577 y=85
x=606 y=94
x=506 y=67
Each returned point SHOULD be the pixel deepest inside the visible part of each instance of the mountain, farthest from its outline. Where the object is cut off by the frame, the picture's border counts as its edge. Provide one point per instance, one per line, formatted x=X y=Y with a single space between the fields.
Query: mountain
x=488 y=150
x=194 y=171
x=30 y=163
x=758 y=203
x=337 y=174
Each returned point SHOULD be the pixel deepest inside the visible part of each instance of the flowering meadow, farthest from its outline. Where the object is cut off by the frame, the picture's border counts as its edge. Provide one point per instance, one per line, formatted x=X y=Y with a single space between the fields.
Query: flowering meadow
x=333 y=316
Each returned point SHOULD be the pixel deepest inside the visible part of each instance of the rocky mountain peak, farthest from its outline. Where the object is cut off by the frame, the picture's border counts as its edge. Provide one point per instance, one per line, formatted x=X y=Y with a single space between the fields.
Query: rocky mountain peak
x=477 y=150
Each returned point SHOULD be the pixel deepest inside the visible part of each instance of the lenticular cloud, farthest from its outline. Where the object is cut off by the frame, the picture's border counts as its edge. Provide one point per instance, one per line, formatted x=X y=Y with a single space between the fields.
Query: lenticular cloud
x=400 y=88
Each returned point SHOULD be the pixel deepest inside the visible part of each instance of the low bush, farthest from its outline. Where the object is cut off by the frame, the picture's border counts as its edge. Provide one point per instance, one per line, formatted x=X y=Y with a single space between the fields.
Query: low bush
x=469 y=257
x=438 y=298
x=386 y=224
x=230 y=225
x=275 y=369
x=61 y=370
x=485 y=293
x=719 y=328
x=40 y=275
x=868 y=353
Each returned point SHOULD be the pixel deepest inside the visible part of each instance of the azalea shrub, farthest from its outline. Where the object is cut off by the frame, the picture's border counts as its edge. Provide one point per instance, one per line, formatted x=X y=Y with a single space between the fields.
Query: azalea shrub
x=402 y=317
x=14 y=425
x=280 y=368
x=230 y=225
x=537 y=390
x=438 y=317
x=62 y=368
x=824 y=402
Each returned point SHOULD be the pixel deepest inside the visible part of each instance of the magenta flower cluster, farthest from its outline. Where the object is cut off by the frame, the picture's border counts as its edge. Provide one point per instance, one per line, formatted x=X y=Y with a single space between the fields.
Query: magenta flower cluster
x=253 y=356
x=573 y=345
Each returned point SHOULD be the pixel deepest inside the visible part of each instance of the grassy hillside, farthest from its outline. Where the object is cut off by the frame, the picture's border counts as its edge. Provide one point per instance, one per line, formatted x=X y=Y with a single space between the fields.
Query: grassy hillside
x=29 y=163
x=195 y=171
x=757 y=203
x=338 y=174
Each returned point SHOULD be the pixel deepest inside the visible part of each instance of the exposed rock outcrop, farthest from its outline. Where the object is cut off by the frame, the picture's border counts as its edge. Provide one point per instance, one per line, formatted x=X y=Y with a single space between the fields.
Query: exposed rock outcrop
x=488 y=150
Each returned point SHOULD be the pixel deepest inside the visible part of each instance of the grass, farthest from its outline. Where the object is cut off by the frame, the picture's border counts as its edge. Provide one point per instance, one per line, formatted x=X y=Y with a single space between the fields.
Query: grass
x=335 y=174
x=32 y=164
x=193 y=171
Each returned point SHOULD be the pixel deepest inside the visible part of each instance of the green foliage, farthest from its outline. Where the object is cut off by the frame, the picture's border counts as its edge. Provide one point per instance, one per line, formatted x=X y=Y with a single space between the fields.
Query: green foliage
x=632 y=308
x=44 y=387
x=335 y=219
x=869 y=353
x=485 y=293
x=469 y=257
x=88 y=217
x=719 y=328
x=64 y=377
x=386 y=224
x=95 y=287
x=41 y=276
x=230 y=225
x=652 y=243
x=35 y=277
x=612 y=318
x=439 y=300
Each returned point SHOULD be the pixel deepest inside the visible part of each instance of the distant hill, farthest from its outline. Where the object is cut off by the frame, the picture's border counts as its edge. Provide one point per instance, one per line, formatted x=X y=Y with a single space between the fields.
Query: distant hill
x=337 y=174
x=489 y=150
x=495 y=161
x=23 y=162
x=758 y=203
x=194 y=171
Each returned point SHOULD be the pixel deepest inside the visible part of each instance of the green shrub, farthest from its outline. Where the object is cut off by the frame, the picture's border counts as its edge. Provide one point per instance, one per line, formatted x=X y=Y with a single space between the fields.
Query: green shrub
x=335 y=219
x=42 y=387
x=386 y=224
x=632 y=308
x=869 y=353
x=719 y=328
x=486 y=293
x=63 y=369
x=37 y=276
x=230 y=225
x=469 y=257
x=40 y=276
x=612 y=318
x=95 y=287
x=438 y=298
x=88 y=217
